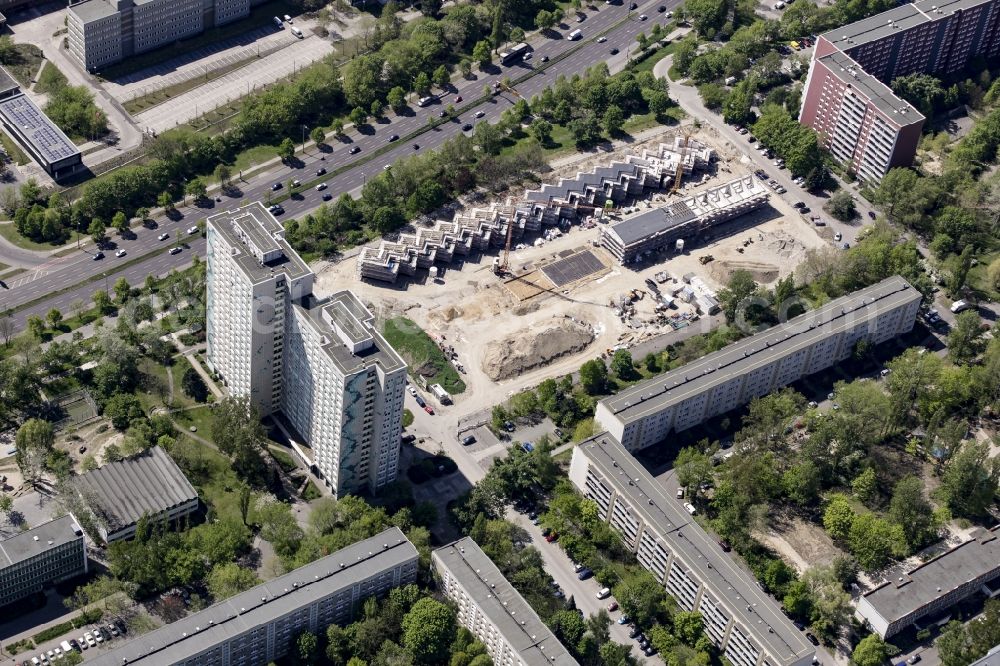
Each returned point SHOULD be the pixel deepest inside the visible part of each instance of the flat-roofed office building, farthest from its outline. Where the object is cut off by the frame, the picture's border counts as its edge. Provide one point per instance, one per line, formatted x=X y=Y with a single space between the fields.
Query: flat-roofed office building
x=321 y=363
x=935 y=585
x=646 y=413
x=261 y=624
x=496 y=613
x=34 y=559
x=745 y=624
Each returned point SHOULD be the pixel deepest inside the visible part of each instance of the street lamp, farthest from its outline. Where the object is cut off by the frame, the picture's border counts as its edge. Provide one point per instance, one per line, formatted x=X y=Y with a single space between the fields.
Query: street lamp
x=303 y=138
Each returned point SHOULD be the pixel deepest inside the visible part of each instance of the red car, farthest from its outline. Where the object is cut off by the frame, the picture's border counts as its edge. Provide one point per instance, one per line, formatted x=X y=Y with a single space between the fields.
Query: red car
x=458 y=98
x=613 y=606
x=551 y=536
x=429 y=409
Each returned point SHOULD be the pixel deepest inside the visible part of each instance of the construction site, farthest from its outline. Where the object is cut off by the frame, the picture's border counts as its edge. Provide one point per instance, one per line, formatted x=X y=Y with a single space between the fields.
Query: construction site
x=617 y=249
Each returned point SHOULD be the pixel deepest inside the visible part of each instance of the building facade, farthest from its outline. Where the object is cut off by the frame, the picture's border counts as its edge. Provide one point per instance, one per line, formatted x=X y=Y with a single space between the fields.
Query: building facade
x=34 y=559
x=149 y=485
x=644 y=414
x=745 y=623
x=847 y=98
x=490 y=607
x=321 y=363
x=103 y=32
x=934 y=586
x=261 y=625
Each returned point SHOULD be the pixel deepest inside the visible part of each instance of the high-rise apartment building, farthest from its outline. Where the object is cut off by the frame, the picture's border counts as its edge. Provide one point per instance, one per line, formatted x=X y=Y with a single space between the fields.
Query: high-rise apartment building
x=39 y=557
x=321 y=363
x=496 y=613
x=744 y=622
x=261 y=625
x=847 y=98
x=103 y=32
x=644 y=414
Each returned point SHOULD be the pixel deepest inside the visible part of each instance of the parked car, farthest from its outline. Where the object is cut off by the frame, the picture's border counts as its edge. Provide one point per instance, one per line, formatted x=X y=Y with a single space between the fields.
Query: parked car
x=690 y=508
x=528 y=447
x=552 y=536
x=604 y=593
x=584 y=573
x=613 y=606
x=468 y=440
x=429 y=409
x=680 y=493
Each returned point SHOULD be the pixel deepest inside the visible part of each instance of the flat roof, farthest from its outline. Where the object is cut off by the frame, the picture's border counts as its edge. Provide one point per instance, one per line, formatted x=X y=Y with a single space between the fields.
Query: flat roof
x=93 y=10
x=895 y=21
x=991 y=658
x=897 y=110
x=351 y=316
x=653 y=222
x=255 y=224
x=7 y=82
x=757 y=613
x=124 y=491
x=899 y=598
x=47 y=140
x=33 y=542
x=506 y=609
x=763 y=348
x=175 y=643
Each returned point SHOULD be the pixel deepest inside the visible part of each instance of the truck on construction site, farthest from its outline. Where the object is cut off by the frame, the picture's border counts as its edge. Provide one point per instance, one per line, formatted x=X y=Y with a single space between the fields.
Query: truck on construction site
x=443 y=396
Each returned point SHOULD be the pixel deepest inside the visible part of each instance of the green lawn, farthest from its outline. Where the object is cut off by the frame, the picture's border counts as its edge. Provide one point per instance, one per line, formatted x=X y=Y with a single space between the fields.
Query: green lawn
x=251 y=157
x=155 y=388
x=178 y=369
x=201 y=418
x=419 y=350
x=9 y=232
x=11 y=148
x=50 y=79
x=24 y=65
x=647 y=63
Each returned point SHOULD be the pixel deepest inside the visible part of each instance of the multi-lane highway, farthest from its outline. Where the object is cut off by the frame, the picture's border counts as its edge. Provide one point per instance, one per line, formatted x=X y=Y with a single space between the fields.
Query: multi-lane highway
x=62 y=281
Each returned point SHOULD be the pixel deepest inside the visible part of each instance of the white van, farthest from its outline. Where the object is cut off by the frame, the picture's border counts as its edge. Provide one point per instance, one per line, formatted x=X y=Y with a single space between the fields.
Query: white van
x=297 y=33
x=575 y=35
x=66 y=647
x=959 y=306
x=604 y=593
x=424 y=101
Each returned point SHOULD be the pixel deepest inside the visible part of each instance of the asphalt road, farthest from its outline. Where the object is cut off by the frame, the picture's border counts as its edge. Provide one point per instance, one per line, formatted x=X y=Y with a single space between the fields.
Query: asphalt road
x=79 y=275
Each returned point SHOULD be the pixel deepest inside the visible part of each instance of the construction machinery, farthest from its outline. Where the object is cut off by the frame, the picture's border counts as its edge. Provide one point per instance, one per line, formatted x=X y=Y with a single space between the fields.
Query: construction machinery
x=501 y=265
x=680 y=162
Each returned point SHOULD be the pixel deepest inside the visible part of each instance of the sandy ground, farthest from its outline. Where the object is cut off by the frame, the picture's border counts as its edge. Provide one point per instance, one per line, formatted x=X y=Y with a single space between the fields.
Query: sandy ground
x=800 y=543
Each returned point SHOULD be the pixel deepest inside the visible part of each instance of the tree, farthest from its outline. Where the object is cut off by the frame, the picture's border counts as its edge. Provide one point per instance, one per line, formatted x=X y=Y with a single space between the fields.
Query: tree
x=872 y=651
x=545 y=20
x=694 y=468
x=594 y=376
x=165 y=201
x=489 y=138
x=734 y=297
x=965 y=341
x=441 y=76
x=614 y=120
x=7 y=327
x=970 y=479
x=376 y=108
x=121 y=409
x=223 y=174
x=865 y=485
x=317 y=136
x=238 y=433
x=736 y=110
x=838 y=517
x=640 y=597
x=841 y=206
x=36 y=326
x=194 y=386
x=358 y=116
x=481 y=54
x=874 y=541
x=307 y=648
x=286 y=149
x=54 y=318
x=338 y=127
x=396 y=98
x=122 y=290
x=541 y=130
x=196 y=188
x=228 y=578
x=428 y=630
x=621 y=364
x=119 y=222
x=103 y=302
x=33 y=444
x=912 y=512
x=802 y=482
x=97 y=229
x=688 y=626
x=6 y=504
x=244 y=501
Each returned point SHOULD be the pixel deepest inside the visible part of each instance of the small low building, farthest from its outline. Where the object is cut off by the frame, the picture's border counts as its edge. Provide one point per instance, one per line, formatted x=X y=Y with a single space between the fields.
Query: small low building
x=39 y=557
x=934 y=586
x=120 y=493
x=35 y=132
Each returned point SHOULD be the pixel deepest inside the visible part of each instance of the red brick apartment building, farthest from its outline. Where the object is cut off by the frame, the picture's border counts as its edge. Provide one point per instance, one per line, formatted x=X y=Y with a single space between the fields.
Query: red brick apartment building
x=847 y=98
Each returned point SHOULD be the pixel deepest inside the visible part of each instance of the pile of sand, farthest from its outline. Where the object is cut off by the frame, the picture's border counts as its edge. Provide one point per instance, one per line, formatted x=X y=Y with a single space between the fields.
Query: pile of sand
x=762 y=272
x=539 y=345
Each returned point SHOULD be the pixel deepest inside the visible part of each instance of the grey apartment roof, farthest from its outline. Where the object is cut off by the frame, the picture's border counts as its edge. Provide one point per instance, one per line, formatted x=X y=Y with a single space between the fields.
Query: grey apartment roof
x=851 y=73
x=896 y=20
x=991 y=658
x=759 y=350
x=594 y=179
x=653 y=222
x=358 y=323
x=506 y=609
x=124 y=491
x=174 y=643
x=728 y=583
x=266 y=232
x=92 y=10
x=48 y=141
x=897 y=599
x=7 y=82
x=33 y=542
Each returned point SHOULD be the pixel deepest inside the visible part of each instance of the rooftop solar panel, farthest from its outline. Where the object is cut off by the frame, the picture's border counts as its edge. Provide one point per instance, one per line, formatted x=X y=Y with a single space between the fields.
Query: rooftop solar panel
x=21 y=114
